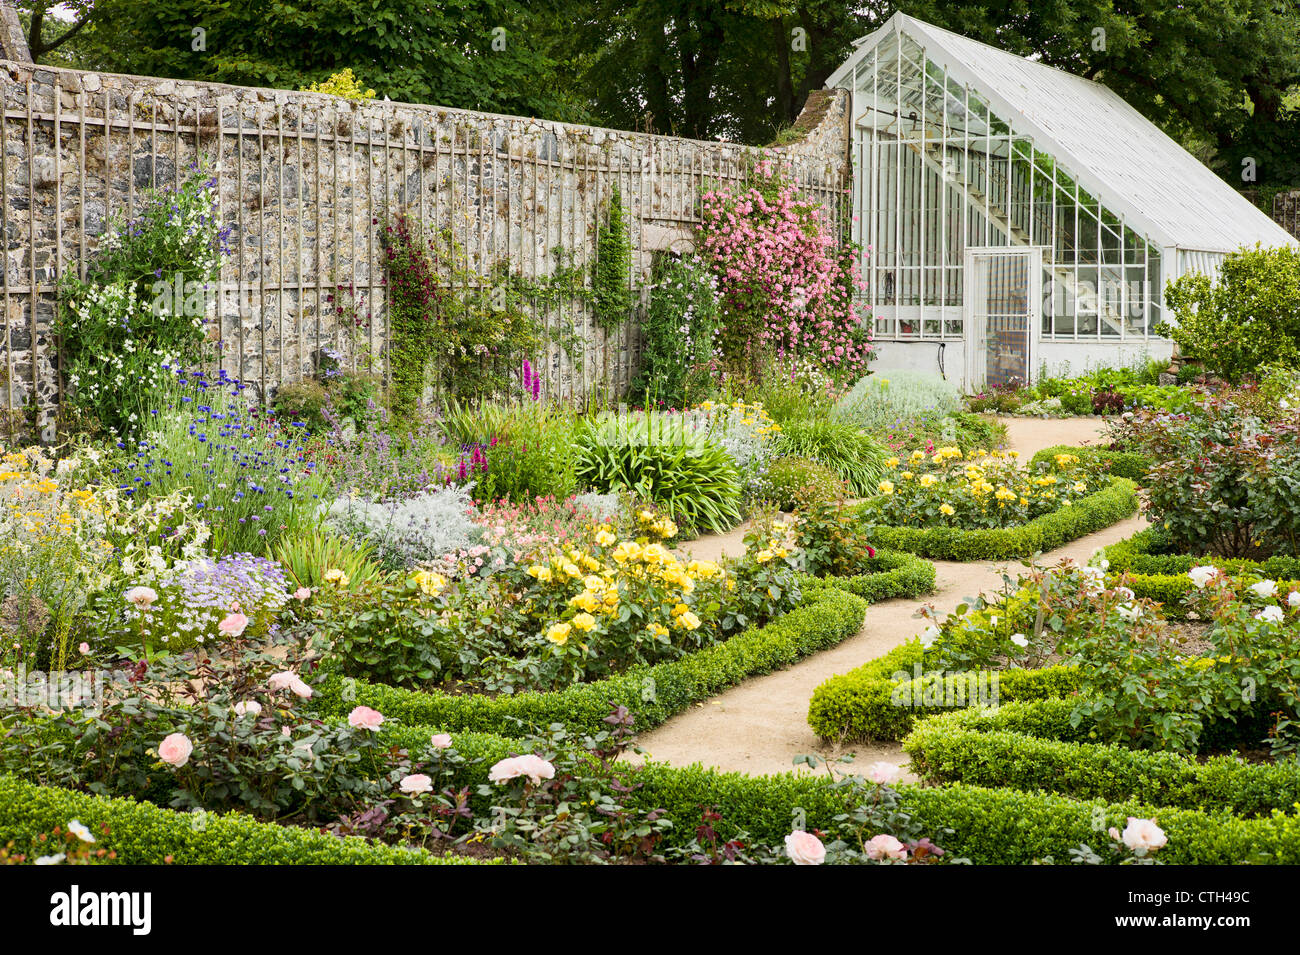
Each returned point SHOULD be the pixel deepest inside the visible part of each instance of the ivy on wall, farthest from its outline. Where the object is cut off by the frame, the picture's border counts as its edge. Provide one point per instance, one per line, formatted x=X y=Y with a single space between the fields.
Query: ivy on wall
x=613 y=292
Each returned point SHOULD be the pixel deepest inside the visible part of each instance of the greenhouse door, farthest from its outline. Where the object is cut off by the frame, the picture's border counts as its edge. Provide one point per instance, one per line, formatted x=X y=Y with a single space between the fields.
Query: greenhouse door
x=1002 y=309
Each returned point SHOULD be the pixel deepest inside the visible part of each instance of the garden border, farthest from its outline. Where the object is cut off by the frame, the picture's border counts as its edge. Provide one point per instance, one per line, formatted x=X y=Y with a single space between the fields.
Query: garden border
x=1092 y=513
x=1125 y=464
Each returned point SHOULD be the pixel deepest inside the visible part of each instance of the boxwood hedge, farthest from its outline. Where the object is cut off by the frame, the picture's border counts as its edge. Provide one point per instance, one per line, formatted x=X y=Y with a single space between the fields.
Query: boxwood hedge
x=869 y=704
x=145 y=834
x=1157 y=572
x=1033 y=745
x=1112 y=503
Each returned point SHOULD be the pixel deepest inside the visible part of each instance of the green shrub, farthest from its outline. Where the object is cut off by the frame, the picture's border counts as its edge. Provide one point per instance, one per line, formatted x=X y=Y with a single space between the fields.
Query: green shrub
x=878 y=401
x=883 y=577
x=1034 y=745
x=1125 y=464
x=1092 y=513
x=857 y=458
x=528 y=446
x=788 y=480
x=143 y=834
x=304 y=401
x=659 y=460
x=881 y=700
x=1247 y=317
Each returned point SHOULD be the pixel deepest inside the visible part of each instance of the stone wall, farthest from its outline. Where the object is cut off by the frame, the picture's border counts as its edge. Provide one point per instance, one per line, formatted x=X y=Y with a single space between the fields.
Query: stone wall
x=305 y=182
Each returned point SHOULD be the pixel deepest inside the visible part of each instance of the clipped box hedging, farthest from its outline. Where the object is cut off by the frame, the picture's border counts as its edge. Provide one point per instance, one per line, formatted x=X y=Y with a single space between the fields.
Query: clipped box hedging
x=1158 y=573
x=1112 y=503
x=888 y=575
x=1033 y=745
x=1125 y=464
x=827 y=616
x=145 y=834
x=869 y=704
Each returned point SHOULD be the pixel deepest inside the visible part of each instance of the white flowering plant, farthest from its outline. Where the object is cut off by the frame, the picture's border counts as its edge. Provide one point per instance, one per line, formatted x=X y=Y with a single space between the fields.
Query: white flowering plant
x=142 y=304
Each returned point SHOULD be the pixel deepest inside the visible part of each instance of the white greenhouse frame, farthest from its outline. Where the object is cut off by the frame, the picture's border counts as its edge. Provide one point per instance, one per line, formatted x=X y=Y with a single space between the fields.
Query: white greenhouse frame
x=958 y=146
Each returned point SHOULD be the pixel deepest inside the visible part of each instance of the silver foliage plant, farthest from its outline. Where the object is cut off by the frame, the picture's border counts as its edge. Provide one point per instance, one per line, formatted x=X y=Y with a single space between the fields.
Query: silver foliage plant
x=409 y=531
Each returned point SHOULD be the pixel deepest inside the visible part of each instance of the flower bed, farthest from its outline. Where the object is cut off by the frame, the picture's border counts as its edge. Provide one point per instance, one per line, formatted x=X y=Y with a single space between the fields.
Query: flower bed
x=144 y=834
x=1055 y=529
x=1034 y=745
x=653 y=694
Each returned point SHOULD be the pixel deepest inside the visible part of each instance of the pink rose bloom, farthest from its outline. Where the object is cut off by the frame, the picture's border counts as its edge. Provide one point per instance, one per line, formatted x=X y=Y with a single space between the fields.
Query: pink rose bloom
x=440 y=740
x=804 y=848
x=233 y=624
x=247 y=708
x=288 y=680
x=175 y=749
x=885 y=847
x=534 y=767
x=141 y=596
x=302 y=593
x=1143 y=834
x=85 y=647
x=884 y=773
x=364 y=718
x=415 y=784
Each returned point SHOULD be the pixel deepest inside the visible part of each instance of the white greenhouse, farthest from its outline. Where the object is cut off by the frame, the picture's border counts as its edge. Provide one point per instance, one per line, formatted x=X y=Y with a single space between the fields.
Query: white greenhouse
x=1015 y=217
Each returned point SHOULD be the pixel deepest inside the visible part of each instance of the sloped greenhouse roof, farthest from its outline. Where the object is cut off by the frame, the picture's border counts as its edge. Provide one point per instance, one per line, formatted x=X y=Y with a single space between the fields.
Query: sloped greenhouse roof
x=1110 y=148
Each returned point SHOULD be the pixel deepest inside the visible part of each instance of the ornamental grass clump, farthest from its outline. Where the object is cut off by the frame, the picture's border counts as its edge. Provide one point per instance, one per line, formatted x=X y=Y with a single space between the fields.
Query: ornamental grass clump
x=986 y=489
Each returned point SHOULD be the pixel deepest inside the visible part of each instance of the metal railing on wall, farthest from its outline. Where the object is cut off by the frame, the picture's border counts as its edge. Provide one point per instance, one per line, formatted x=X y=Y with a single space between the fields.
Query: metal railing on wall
x=305 y=182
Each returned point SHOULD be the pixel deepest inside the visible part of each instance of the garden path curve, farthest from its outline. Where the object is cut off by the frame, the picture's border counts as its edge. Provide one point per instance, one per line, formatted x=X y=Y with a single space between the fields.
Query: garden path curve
x=759 y=726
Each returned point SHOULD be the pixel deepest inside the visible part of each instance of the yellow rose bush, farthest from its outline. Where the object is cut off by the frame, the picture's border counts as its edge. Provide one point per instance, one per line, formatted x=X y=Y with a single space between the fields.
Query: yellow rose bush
x=985 y=489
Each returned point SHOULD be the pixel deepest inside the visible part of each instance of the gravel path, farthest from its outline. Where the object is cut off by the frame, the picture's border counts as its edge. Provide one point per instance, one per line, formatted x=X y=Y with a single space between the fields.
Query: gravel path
x=759 y=726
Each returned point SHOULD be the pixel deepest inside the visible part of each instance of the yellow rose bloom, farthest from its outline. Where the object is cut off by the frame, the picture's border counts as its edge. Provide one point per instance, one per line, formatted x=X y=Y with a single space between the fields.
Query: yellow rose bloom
x=947 y=510
x=886 y=487
x=584 y=622
x=688 y=621
x=891 y=462
x=430 y=584
x=558 y=633
x=763 y=556
x=605 y=537
x=928 y=480
x=336 y=577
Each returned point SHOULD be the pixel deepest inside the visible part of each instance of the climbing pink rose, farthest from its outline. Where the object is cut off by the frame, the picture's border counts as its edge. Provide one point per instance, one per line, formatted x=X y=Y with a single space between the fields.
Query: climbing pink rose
x=415 y=784
x=440 y=740
x=175 y=749
x=804 y=848
x=364 y=718
x=233 y=624
x=885 y=847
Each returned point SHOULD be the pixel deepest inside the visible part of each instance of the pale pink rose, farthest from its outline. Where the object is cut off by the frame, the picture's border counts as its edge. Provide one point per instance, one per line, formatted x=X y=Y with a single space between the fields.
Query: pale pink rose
x=440 y=740
x=175 y=749
x=364 y=718
x=415 y=784
x=233 y=624
x=885 y=847
x=247 y=708
x=804 y=848
x=302 y=593
x=1143 y=834
x=534 y=767
x=85 y=647
x=1113 y=833
x=884 y=773
x=142 y=597
x=288 y=680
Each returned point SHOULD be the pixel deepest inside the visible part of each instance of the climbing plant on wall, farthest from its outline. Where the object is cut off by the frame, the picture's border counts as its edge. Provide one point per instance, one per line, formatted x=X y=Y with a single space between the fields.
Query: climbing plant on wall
x=678 y=332
x=613 y=260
